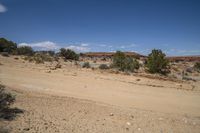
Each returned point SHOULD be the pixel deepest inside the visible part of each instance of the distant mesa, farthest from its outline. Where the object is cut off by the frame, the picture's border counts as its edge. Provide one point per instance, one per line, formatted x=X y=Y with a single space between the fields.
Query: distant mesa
x=111 y=54
x=184 y=58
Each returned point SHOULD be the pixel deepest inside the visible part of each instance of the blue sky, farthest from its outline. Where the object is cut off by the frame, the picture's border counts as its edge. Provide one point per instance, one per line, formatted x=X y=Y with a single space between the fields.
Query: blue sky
x=104 y=25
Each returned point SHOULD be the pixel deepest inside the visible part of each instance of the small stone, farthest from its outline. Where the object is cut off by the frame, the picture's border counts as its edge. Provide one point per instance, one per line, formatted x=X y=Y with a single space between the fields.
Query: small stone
x=194 y=123
x=160 y=118
x=138 y=79
x=185 y=121
x=128 y=123
x=111 y=114
x=139 y=129
x=26 y=129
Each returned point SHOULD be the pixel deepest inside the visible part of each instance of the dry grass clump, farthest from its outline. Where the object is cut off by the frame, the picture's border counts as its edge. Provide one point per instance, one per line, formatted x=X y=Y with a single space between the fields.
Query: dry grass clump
x=39 y=58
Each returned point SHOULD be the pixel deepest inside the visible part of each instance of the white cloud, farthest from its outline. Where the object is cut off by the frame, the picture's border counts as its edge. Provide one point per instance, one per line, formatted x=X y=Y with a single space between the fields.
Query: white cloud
x=122 y=47
x=78 y=48
x=84 y=44
x=102 y=45
x=133 y=45
x=128 y=46
x=46 y=45
x=2 y=8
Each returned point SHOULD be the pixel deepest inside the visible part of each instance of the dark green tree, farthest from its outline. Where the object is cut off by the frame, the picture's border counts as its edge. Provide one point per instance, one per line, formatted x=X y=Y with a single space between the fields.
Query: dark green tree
x=157 y=63
x=119 y=60
x=69 y=54
x=7 y=46
x=124 y=63
x=25 y=50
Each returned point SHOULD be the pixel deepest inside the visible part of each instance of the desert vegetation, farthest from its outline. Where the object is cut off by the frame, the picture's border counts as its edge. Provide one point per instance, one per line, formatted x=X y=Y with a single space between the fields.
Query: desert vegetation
x=40 y=58
x=124 y=63
x=7 y=46
x=24 y=50
x=6 y=100
x=157 y=63
x=69 y=54
x=197 y=66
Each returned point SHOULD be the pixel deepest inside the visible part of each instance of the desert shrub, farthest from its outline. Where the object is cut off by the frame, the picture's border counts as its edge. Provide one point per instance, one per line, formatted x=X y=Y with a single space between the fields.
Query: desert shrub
x=103 y=66
x=119 y=59
x=44 y=57
x=131 y=64
x=49 y=52
x=6 y=99
x=39 y=58
x=86 y=65
x=25 y=50
x=157 y=63
x=69 y=54
x=124 y=63
x=7 y=46
x=197 y=66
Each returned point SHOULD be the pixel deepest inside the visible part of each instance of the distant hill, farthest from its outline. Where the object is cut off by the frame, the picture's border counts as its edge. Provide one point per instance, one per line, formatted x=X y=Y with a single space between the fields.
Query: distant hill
x=184 y=58
x=110 y=54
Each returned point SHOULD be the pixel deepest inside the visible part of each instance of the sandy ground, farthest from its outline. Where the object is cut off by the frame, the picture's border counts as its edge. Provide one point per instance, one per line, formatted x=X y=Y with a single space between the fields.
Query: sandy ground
x=72 y=99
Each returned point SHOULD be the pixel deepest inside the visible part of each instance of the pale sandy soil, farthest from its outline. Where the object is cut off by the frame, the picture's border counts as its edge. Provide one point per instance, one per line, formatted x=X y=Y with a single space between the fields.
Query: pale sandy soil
x=72 y=99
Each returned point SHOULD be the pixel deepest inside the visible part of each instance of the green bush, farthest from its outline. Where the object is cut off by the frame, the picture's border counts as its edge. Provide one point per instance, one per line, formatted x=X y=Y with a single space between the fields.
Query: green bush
x=124 y=63
x=7 y=46
x=86 y=65
x=131 y=64
x=25 y=50
x=197 y=66
x=157 y=63
x=69 y=54
x=103 y=66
